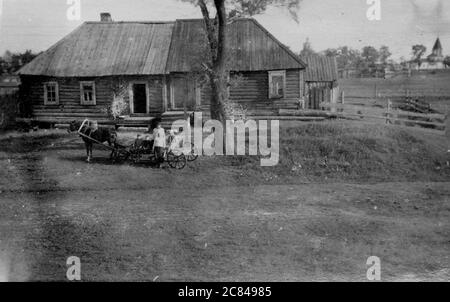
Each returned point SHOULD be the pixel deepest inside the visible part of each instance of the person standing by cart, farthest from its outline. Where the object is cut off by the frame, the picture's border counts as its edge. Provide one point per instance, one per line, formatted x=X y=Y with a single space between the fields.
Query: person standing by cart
x=159 y=145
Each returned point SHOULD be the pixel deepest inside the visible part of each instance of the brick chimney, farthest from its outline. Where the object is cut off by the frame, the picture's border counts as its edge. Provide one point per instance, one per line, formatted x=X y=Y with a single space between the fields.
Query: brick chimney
x=105 y=17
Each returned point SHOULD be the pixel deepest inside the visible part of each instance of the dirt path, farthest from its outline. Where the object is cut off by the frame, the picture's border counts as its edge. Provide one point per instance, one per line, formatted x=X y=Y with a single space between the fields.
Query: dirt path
x=277 y=233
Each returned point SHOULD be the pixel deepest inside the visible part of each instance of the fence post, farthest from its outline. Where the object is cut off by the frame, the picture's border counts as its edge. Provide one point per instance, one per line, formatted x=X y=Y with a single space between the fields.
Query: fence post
x=343 y=97
x=447 y=125
x=388 y=113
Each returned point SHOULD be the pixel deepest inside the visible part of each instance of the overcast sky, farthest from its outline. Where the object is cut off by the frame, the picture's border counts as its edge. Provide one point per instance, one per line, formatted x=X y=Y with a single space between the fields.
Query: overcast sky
x=38 y=24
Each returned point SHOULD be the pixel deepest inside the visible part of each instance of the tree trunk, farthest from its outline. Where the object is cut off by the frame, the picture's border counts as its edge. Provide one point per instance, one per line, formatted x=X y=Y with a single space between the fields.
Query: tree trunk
x=217 y=38
x=219 y=66
x=218 y=99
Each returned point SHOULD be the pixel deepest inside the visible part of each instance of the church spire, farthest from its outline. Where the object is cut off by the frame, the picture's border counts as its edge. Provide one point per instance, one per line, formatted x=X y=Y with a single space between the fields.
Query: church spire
x=437 y=48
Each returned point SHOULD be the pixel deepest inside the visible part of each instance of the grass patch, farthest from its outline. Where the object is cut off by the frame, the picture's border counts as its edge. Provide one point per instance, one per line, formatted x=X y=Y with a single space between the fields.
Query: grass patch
x=316 y=152
x=30 y=142
x=352 y=151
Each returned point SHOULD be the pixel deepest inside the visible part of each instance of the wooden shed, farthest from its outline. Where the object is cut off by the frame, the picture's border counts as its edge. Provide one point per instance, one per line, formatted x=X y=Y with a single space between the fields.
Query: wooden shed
x=153 y=68
x=321 y=80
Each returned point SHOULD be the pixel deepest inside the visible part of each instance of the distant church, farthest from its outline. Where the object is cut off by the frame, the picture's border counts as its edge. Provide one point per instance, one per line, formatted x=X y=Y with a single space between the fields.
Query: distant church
x=434 y=61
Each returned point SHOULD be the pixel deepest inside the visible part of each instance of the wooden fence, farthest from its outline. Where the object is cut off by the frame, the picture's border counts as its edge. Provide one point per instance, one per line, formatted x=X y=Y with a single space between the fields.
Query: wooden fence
x=416 y=106
x=389 y=115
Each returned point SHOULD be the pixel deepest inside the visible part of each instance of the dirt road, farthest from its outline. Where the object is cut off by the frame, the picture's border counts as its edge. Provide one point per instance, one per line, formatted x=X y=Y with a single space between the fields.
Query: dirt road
x=137 y=223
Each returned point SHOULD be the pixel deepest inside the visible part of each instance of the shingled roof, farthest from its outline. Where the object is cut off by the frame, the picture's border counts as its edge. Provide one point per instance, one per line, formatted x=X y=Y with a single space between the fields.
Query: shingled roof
x=250 y=46
x=155 y=48
x=320 y=68
x=107 y=48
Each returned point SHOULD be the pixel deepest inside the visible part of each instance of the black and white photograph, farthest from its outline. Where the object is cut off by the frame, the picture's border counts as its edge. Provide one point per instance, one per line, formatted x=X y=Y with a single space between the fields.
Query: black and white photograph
x=224 y=141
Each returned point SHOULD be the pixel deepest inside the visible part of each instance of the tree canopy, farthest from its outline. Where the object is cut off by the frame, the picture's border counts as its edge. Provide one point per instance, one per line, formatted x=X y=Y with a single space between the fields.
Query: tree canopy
x=418 y=51
x=250 y=8
x=369 y=56
x=307 y=49
x=447 y=61
x=12 y=62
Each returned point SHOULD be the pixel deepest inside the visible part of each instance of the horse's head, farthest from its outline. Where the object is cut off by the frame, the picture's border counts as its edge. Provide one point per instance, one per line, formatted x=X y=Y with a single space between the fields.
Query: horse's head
x=113 y=137
x=74 y=126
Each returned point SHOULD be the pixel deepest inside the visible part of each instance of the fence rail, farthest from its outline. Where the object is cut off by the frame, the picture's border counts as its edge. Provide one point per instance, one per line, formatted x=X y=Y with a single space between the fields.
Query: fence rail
x=389 y=115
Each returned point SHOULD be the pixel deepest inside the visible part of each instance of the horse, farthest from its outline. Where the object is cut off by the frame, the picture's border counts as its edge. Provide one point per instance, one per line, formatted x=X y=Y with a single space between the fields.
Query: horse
x=91 y=129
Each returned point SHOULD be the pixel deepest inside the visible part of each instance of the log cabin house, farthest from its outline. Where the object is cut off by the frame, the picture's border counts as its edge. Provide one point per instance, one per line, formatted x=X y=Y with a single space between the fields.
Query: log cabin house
x=154 y=69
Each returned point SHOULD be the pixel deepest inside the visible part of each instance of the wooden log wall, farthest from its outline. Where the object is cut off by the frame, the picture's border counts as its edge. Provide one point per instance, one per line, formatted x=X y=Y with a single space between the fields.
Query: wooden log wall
x=252 y=92
x=70 y=108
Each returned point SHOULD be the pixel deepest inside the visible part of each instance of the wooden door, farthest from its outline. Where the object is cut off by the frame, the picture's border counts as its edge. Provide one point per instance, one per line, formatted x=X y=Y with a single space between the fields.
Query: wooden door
x=317 y=95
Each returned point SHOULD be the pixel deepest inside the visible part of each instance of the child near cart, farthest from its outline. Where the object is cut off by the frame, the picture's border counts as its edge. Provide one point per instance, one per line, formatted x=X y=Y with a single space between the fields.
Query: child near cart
x=159 y=144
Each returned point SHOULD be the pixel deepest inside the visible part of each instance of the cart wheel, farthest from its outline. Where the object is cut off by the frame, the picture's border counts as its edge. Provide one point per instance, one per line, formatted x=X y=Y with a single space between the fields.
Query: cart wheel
x=136 y=157
x=193 y=155
x=176 y=162
x=119 y=156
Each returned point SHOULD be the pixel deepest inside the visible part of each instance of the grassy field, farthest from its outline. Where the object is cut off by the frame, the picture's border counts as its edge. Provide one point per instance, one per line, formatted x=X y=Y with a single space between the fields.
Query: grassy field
x=431 y=87
x=343 y=191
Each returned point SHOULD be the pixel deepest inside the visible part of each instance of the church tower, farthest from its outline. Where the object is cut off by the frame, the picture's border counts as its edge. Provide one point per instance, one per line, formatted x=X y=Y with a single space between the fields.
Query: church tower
x=437 y=55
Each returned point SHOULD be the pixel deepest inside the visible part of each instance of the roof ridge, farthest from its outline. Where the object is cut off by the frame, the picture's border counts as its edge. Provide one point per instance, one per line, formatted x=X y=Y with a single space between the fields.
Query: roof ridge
x=201 y=19
x=130 y=22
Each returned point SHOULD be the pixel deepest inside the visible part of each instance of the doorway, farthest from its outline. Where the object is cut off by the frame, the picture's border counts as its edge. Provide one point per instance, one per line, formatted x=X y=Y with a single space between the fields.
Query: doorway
x=140 y=98
x=317 y=96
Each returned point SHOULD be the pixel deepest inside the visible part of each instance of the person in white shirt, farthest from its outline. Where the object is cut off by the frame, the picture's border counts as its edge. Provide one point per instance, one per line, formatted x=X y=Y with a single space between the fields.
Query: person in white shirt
x=159 y=144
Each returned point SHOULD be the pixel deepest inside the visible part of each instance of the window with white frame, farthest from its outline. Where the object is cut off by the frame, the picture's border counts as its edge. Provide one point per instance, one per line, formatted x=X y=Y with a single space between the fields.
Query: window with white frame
x=277 y=84
x=51 y=93
x=87 y=90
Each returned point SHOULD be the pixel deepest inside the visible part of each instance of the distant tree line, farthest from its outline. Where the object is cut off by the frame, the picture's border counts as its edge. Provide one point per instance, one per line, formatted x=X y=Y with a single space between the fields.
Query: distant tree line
x=12 y=62
x=367 y=60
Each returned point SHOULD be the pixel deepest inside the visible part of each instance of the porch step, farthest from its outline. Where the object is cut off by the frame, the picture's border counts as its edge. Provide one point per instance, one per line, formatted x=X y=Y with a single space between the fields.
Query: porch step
x=74 y=115
x=261 y=112
x=61 y=120
x=135 y=121
x=176 y=113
